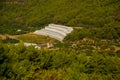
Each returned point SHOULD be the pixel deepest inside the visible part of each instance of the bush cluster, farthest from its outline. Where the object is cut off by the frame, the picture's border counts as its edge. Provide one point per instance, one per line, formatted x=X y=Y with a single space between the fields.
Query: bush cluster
x=27 y=63
x=35 y=13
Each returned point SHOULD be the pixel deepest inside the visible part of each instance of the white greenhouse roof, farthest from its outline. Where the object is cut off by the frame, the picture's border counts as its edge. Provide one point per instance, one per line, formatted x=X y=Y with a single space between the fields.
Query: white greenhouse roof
x=58 y=32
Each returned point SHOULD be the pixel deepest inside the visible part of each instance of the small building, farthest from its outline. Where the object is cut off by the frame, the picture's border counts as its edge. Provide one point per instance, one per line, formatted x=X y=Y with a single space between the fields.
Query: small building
x=50 y=44
x=19 y=30
x=30 y=44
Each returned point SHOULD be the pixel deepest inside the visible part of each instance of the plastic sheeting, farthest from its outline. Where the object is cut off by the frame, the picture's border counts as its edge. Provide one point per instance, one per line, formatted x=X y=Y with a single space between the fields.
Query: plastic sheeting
x=58 y=32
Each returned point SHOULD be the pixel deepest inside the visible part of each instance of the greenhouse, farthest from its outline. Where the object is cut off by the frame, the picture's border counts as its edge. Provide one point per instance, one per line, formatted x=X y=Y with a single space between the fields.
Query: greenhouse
x=58 y=32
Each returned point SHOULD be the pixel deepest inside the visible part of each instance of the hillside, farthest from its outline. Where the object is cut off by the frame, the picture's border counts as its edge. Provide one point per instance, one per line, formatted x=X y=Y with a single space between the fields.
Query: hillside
x=90 y=52
x=31 y=14
x=82 y=63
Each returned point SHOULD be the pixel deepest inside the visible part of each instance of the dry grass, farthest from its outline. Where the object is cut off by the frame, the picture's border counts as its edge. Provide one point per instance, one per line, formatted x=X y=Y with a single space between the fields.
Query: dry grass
x=2 y=37
x=34 y=38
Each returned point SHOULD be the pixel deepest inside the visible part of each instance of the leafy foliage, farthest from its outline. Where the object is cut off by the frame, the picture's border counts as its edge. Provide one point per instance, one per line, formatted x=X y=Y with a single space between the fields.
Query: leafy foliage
x=19 y=62
x=31 y=14
x=100 y=19
x=106 y=32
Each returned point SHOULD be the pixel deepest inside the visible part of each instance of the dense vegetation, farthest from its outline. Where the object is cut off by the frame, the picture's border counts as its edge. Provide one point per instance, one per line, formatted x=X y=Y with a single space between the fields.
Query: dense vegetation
x=28 y=14
x=9 y=41
x=90 y=53
x=107 y=32
x=27 y=63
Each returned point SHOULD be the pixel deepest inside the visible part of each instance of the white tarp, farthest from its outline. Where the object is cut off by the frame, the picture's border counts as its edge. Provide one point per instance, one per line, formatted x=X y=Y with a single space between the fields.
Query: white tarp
x=55 y=30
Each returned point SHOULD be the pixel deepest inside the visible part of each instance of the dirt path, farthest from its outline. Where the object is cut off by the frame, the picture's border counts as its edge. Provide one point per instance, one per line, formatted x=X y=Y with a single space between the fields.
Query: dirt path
x=2 y=37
